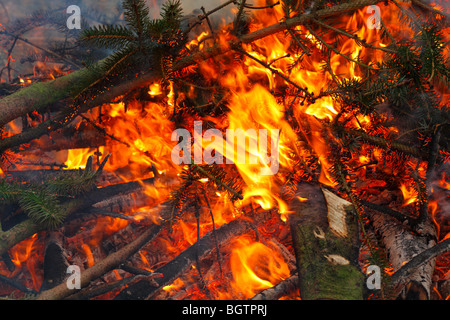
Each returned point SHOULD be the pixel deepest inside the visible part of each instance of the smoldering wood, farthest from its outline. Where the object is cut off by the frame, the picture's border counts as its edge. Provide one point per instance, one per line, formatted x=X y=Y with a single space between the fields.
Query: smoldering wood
x=55 y=261
x=27 y=228
x=110 y=263
x=15 y=284
x=8 y=262
x=90 y=293
x=203 y=248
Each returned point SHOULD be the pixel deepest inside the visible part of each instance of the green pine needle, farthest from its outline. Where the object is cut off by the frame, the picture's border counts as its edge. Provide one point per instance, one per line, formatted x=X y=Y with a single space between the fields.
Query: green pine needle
x=42 y=208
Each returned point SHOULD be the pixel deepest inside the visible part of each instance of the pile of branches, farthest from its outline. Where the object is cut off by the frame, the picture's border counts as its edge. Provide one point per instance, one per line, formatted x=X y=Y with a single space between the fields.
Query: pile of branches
x=145 y=51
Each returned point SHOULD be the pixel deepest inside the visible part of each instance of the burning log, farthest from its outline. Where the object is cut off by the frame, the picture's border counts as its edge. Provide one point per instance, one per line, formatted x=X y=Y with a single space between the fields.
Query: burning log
x=200 y=250
x=282 y=289
x=326 y=242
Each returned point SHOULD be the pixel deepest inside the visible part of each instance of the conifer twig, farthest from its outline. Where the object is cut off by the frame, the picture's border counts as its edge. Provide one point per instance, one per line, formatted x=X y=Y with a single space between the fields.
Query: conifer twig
x=309 y=95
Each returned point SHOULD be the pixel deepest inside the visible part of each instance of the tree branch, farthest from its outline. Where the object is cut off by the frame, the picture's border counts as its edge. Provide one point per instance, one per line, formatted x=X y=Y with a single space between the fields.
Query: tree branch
x=40 y=95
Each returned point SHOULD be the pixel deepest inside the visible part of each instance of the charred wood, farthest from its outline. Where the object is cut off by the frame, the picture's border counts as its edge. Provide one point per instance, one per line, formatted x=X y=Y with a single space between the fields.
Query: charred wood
x=55 y=261
x=111 y=262
x=173 y=269
x=27 y=228
x=17 y=285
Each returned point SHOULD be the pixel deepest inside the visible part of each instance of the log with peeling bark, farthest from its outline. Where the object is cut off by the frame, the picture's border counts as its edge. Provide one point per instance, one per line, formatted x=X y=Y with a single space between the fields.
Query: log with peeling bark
x=403 y=244
x=326 y=242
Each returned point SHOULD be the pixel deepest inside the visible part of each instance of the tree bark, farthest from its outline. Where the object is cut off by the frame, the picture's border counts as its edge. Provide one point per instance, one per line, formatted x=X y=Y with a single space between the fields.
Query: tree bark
x=326 y=243
x=402 y=245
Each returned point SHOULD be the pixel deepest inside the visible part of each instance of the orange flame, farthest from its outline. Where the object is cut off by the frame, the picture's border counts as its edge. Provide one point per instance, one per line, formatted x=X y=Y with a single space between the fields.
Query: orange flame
x=255 y=267
x=409 y=195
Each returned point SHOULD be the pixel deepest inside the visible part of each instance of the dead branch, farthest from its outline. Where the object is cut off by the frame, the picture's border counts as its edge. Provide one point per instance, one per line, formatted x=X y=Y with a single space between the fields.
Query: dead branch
x=202 y=248
x=282 y=289
x=184 y=260
x=109 y=263
x=27 y=228
x=40 y=95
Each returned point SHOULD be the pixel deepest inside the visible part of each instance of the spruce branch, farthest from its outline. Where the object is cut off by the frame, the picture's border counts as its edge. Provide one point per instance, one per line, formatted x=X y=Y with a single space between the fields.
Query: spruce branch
x=108 y=36
x=41 y=207
x=219 y=177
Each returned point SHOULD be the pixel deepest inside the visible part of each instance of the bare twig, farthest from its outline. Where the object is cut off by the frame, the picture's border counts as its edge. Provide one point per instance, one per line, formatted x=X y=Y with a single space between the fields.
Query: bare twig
x=309 y=95
x=335 y=50
x=352 y=36
x=201 y=17
x=48 y=51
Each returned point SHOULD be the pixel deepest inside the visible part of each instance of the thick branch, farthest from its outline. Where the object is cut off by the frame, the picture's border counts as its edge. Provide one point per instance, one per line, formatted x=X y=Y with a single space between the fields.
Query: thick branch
x=418 y=261
x=40 y=95
x=27 y=228
x=97 y=270
x=184 y=260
